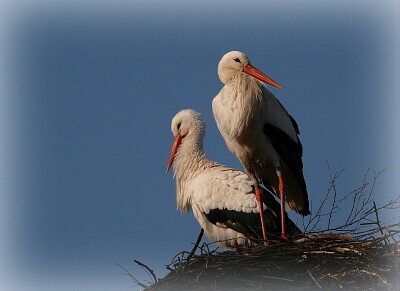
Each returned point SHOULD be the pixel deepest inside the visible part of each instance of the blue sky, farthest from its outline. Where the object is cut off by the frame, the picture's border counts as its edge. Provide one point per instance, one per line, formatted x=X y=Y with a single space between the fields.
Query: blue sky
x=91 y=90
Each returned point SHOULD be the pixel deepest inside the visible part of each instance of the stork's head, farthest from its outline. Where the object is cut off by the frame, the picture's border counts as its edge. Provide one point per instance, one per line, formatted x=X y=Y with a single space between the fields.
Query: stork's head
x=186 y=125
x=186 y=121
x=236 y=62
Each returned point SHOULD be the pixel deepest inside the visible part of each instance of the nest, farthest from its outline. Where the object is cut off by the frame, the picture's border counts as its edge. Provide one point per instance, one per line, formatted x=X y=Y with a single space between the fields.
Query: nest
x=321 y=261
x=363 y=253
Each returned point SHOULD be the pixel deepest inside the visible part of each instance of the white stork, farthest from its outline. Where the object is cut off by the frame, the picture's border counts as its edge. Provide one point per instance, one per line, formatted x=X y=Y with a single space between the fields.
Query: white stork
x=261 y=133
x=222 y=199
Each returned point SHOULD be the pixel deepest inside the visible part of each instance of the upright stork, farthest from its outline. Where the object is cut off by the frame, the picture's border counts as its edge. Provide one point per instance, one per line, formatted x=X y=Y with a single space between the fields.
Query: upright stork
x=222 y=199
x=261 y=133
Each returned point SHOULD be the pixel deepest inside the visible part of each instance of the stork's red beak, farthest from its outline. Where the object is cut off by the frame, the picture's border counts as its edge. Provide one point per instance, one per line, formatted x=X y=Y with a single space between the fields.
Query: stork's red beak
x=256 y=73
x=175 y=146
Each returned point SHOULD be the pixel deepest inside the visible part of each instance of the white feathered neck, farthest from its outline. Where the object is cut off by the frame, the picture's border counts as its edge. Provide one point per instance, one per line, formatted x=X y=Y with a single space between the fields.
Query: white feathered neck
x=190 y=159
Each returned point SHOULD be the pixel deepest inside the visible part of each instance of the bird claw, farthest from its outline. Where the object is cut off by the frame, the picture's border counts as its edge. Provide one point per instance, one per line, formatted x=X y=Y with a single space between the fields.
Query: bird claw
x=284 y=236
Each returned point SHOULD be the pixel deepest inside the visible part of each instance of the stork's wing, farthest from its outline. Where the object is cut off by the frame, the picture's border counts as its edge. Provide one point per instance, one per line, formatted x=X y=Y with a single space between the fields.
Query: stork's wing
x=282 y=131
x=249 y=224
x=275 y=114
x=227 y=202
x=246 y=223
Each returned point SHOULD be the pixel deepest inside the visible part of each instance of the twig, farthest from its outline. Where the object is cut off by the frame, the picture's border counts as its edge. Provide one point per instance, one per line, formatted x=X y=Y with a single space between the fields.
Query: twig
x=378 y=222
x=132 y=277
x=149 y=271
x=392 y=236
x=312 y=277
x=333 y=186
x=195 y=246
x=316 y=219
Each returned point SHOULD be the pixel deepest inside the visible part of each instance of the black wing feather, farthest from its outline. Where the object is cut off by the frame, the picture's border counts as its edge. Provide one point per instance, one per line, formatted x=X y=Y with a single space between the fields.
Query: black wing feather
x=249 y=224
x=295 y=125
x=289 y=150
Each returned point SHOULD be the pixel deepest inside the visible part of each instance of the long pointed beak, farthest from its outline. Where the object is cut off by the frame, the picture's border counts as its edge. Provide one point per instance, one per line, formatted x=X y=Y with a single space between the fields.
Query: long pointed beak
x=175 y=146
x=256 y=73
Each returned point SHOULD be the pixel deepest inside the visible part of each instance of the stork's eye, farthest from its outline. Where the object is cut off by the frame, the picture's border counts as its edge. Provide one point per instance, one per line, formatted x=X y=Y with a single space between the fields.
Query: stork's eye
x=237 y=60
x=179 y=125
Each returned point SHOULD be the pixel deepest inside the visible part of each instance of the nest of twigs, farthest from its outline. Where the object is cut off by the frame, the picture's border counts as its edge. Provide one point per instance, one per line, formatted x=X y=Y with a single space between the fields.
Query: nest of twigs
x=362 y=253
x=321 y=261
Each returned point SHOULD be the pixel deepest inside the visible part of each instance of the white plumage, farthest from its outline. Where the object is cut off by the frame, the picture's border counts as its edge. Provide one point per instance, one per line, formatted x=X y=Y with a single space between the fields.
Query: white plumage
x=222 y=199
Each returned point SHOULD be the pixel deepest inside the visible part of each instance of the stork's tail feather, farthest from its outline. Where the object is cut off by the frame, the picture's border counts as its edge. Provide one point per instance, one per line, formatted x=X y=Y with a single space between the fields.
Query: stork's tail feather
x=305 y=211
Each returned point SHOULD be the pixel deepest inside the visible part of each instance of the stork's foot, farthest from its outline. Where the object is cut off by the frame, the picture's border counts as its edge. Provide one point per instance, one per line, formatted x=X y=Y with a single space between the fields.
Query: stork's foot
x=236 y=247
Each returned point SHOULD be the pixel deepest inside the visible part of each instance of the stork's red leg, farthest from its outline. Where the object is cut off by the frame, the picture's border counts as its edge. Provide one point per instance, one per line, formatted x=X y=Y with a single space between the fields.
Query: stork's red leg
x=282 y=196
x=260 y=201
